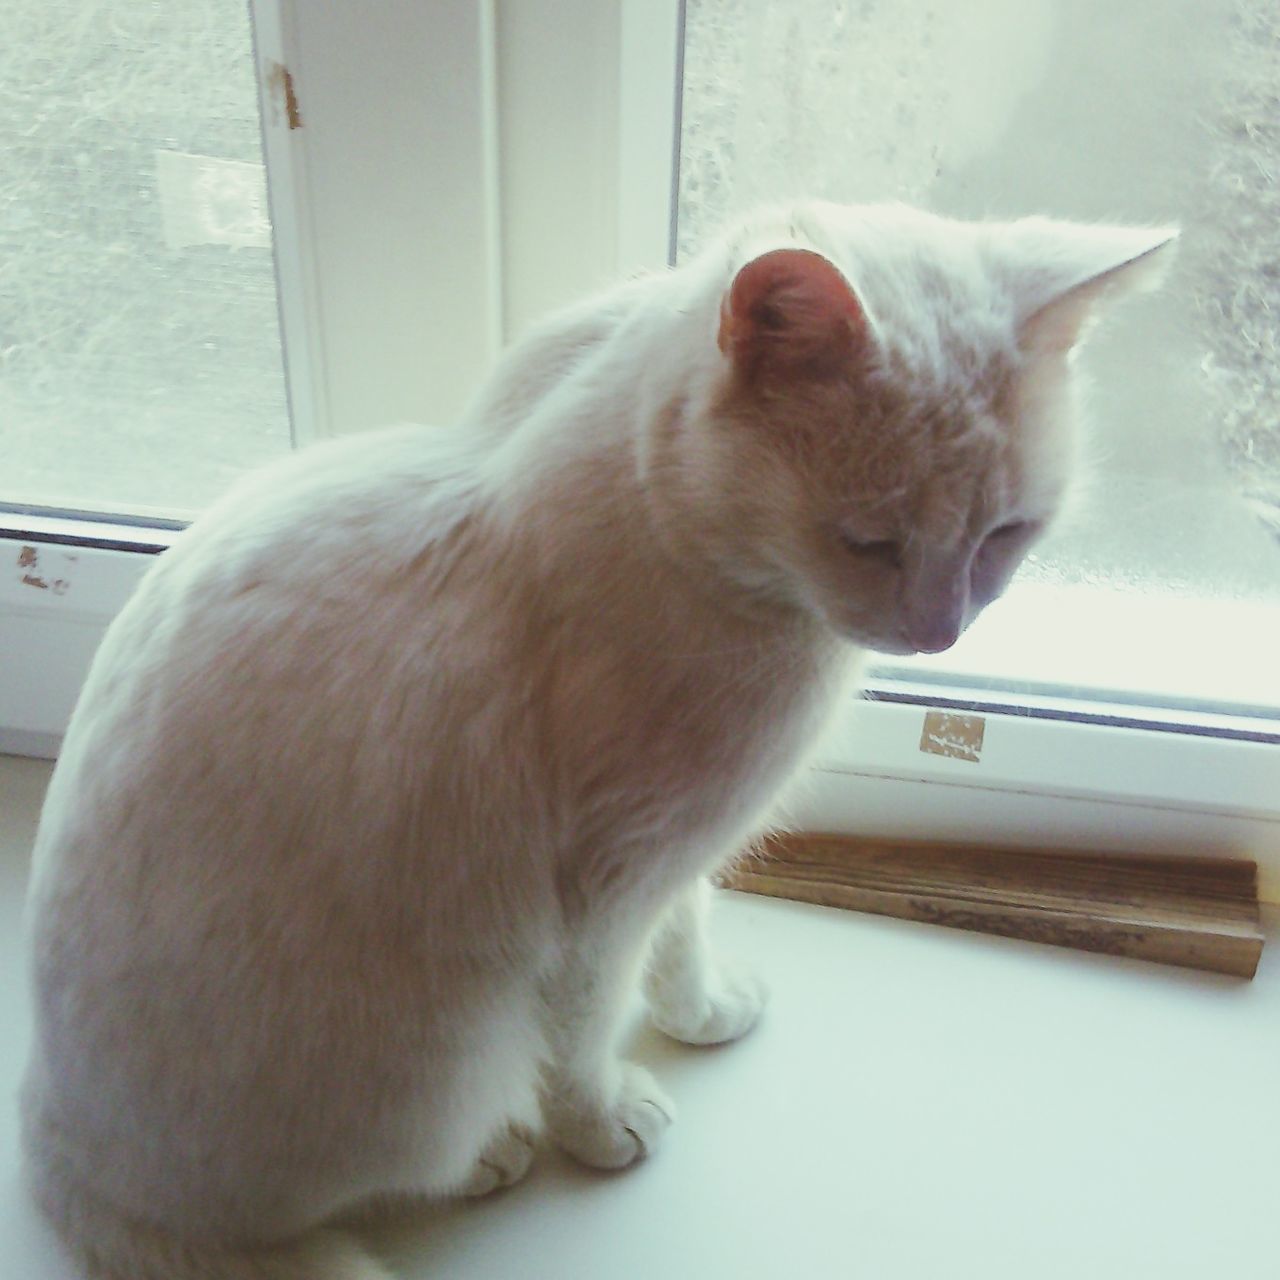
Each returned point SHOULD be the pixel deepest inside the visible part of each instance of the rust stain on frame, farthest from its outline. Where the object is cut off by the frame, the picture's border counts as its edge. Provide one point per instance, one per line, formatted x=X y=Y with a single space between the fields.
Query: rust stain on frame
x=281 y=82
x=956 y=736
x=29 y=560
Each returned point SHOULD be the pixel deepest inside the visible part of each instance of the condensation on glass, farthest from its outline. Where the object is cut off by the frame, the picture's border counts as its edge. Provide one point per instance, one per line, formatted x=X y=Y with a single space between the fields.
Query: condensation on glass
x=140 y=356
x=1147 y=112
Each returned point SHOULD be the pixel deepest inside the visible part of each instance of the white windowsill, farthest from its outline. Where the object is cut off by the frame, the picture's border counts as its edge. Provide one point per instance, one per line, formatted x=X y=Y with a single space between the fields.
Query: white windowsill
x=916 y=1103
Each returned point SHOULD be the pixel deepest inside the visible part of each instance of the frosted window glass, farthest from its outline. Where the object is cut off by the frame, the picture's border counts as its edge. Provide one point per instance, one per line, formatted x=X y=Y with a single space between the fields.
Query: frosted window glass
x=140 y=360
x=1158 y=111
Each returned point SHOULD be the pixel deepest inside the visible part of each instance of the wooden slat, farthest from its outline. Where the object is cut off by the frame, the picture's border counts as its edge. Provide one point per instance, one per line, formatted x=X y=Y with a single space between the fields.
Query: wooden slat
x=1201 y=913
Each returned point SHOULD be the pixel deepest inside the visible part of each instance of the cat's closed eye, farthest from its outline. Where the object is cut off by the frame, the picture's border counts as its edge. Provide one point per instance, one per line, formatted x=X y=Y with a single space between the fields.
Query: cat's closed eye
x=1012 y=531
x=1011 y=538
x=999 y=555
x=882 y=551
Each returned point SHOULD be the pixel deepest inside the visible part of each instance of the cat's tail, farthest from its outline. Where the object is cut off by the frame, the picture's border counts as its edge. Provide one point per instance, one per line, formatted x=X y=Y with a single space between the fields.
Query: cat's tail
x=108 y=1246
x=326 y=1254
x=323 y=1255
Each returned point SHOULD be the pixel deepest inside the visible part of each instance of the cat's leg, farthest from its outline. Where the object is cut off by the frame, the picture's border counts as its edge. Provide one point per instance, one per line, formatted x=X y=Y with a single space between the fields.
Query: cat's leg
x=691 y=996
x=504 y=1161
x=603 y=1111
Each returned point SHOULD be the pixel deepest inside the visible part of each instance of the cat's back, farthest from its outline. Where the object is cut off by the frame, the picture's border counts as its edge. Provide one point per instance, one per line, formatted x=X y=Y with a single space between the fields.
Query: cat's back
x=269 y=657
x=301 y=546
x=315 y=649
x=395 y=494
x=395 y=516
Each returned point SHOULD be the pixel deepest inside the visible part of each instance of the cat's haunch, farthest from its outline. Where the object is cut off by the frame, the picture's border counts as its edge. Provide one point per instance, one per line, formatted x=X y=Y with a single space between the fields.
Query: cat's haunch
x=411 y=756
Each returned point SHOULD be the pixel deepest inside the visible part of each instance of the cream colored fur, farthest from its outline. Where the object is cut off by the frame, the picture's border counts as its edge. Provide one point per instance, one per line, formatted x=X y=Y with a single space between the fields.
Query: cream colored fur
x=414 y=748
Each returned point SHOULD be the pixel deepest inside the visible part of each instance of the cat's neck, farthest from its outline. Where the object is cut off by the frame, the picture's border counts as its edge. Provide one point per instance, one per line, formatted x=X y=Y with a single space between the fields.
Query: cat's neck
x=612 y=360
x=578 y=425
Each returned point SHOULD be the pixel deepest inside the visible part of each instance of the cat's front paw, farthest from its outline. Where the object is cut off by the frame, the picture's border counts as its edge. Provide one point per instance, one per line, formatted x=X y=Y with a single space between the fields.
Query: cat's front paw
x=617 y=1133
x=728 y=1010
x=504 y=1161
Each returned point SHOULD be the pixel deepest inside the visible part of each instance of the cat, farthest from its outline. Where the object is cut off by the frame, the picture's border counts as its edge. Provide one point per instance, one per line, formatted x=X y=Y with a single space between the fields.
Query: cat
x=412 y=756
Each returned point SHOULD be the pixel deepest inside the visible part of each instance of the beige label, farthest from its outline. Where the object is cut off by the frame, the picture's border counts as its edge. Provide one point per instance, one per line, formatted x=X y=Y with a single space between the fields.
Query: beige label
x=207 y=200
x=957 y=736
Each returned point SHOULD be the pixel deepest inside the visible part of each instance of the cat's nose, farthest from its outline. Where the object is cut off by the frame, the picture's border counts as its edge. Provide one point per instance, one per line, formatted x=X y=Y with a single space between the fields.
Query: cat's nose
x=938 y=625
x=933 y=635
x=936 y=606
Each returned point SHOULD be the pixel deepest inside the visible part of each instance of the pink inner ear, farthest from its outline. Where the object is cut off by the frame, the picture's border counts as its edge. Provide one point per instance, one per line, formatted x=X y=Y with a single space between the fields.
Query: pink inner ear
x=1056 y=328
x=788 y=300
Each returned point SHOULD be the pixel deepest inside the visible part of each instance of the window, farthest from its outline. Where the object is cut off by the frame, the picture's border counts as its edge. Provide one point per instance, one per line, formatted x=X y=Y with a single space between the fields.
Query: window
x=417 y=228
x=144 y=364
x=141 y=358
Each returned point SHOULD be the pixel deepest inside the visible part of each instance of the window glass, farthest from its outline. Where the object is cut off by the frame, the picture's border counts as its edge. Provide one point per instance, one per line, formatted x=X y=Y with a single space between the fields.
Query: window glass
x=1094 y=110
x=140 y=359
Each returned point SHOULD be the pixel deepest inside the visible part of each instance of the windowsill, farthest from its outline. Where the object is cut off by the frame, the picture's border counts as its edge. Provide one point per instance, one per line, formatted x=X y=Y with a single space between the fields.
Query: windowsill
x=917 y=1102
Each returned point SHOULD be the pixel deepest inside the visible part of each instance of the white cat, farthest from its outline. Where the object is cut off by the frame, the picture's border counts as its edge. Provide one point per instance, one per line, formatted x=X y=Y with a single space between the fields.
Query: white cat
x=413 y=749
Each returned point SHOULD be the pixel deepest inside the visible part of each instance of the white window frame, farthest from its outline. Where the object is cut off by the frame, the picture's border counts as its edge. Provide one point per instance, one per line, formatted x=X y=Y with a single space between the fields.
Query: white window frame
x=534 y=216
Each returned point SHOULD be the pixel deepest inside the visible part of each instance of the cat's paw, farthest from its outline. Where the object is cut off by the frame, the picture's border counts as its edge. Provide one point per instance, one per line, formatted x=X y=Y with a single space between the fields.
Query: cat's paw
x=618 y=1134
x=729 y=1010
x=504 y=1161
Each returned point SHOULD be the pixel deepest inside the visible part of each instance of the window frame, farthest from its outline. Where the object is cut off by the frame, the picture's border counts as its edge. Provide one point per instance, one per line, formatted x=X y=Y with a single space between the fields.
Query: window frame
x=1060 y=776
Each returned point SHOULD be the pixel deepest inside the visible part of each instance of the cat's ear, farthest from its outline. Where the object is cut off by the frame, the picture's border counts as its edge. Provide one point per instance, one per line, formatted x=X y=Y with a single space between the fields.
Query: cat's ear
x=791 y=310
x=1065 y=271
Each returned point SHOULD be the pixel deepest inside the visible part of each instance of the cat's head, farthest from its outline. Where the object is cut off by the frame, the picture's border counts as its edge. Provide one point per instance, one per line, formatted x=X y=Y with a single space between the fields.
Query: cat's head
x=890 y=420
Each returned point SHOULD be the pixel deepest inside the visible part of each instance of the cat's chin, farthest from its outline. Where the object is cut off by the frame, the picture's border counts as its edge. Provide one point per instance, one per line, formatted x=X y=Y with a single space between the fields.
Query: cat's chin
x=890 y=646
x=898 y=649
x=866 y=638
x=891 y=642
